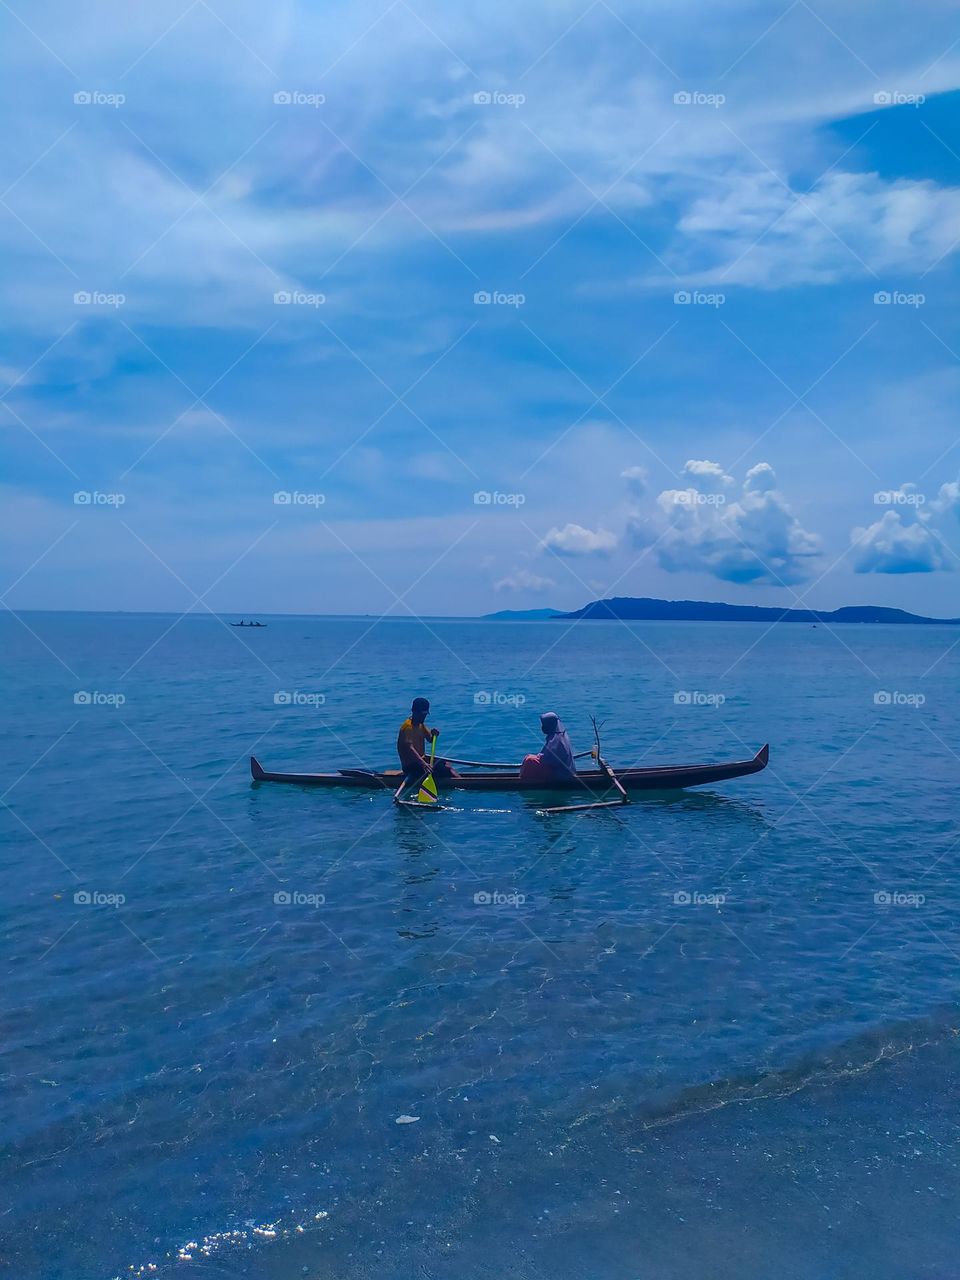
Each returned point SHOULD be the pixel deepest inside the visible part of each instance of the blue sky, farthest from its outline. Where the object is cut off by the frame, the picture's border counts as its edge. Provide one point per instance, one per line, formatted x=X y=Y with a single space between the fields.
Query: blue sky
x=243 y=248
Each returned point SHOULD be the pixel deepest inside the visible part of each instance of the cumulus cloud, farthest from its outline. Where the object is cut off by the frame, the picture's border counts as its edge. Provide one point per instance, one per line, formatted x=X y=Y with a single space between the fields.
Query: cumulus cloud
x=523 y=580
x=575 y=540
x=707 y=483
x=893 y=545
x=707 y=477
x=905 y=539
x=752 y=539
x=948 y=498
x=636 y=478
x=760 y=479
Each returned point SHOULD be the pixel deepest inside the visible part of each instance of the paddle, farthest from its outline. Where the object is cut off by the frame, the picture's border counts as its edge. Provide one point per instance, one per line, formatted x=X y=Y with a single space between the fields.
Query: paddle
x=400 y=790
x=427 y=797
x=428 y=787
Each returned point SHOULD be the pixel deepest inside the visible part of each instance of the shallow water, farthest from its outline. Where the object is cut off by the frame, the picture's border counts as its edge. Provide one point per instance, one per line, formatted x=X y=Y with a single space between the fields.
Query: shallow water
x=648 y=999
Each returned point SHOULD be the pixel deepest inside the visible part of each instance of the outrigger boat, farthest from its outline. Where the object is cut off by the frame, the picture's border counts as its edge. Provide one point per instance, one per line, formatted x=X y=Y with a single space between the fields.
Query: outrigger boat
x=593 y=782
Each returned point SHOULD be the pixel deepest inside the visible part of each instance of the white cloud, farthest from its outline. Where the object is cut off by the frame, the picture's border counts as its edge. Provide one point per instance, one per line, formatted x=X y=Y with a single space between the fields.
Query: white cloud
x=752 y=229
x=574 y=540
x=707 y=477
x=761 y=478
x=948 y=498
x=906 y=538
x=524 y=580
x=606 y=123
x=636 y=478
x=892 y=546
x=754 y=539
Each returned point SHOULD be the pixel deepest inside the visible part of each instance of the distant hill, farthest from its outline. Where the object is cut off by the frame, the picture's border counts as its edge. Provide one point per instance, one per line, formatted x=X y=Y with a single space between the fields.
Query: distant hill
x=522 y=615
x=643 y=609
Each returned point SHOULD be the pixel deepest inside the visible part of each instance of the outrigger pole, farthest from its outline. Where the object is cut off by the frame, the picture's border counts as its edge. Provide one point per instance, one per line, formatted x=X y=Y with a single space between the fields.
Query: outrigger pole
x=599 y=804
x=493 y=764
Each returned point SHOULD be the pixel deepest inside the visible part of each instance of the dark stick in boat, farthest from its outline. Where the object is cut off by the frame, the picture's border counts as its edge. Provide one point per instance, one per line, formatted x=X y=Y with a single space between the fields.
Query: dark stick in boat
x=605 y=769
x=624 y=798
x=610 y=775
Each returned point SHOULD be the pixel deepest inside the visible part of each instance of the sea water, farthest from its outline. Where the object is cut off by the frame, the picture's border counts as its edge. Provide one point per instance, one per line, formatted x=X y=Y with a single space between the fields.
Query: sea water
x=265 y=1030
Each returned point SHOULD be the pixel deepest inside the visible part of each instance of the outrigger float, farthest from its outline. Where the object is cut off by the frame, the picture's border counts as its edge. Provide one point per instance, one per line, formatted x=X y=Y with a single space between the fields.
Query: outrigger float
x=595 y=783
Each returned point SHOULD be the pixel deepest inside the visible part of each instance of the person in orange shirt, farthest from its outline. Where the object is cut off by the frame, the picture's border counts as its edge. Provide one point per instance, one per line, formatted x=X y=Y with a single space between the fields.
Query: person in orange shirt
x=413 y=745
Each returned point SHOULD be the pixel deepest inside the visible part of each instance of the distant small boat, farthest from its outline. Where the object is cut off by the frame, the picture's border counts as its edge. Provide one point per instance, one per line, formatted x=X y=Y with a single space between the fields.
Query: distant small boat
x=248 y=624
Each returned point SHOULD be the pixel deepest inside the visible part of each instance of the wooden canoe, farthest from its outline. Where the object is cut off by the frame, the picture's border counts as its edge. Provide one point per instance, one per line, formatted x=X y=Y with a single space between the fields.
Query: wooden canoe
x=592 y=781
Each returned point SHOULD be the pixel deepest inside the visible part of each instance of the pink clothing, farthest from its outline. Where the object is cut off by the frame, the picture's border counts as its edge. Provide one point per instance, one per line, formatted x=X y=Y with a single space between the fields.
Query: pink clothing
x=533 y=769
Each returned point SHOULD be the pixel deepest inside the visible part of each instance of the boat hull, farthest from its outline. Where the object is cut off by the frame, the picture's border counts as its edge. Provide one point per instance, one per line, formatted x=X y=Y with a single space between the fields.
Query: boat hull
x=590 y=781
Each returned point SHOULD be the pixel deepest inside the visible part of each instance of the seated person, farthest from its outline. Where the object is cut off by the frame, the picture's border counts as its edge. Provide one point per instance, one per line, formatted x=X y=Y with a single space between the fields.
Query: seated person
x=555 y=761
x=412 y=746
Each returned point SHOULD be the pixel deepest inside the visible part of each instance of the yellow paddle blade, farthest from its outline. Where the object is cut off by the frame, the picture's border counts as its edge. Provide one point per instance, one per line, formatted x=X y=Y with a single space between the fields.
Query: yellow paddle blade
x=428 y=791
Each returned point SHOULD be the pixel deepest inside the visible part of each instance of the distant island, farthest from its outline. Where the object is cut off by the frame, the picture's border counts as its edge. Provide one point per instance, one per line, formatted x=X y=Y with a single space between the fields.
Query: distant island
x=631 y=609
x=522 y=615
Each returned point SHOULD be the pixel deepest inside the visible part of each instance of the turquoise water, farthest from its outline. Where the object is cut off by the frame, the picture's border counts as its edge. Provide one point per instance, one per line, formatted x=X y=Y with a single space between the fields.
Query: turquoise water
x=685 y=1040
